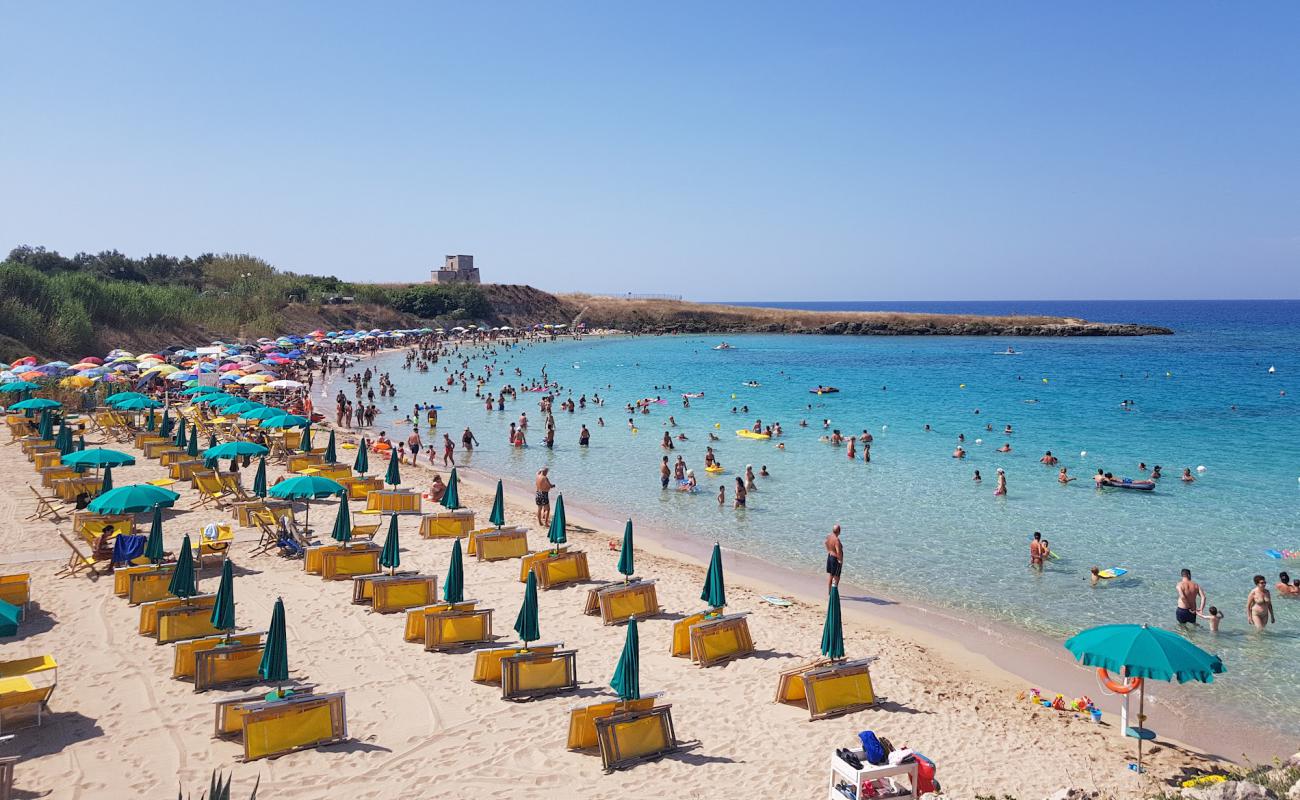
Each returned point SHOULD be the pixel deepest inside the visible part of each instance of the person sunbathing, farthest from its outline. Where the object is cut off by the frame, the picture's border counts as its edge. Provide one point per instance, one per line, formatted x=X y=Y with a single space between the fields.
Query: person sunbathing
x=437 y=489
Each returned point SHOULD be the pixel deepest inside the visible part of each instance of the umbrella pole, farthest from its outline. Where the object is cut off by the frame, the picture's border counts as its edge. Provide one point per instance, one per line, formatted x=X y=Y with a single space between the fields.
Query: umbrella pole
x=1141 y=729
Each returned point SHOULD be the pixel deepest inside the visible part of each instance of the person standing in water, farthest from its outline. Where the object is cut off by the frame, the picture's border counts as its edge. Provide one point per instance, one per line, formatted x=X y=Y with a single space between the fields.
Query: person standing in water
x=834 y=558
x=1259 y=604
x=543 y=496
x=1191 y=599
x=1001 y=490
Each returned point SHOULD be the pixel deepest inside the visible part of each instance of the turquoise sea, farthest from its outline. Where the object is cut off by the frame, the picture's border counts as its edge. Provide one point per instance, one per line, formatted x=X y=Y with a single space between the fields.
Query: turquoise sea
x=915 y=523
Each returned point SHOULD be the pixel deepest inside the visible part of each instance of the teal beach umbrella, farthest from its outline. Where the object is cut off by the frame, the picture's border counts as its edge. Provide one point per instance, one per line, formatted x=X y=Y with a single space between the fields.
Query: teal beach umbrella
x=10 y=615
x=362 y=464
x=833 y=628
x=183 y=584
x=715 y=593
x=284 y=421
x=556 y=535
x=498 y=515
x=391 y=555
x=331 y=454
x=235 y=450
x=451 y=497
x=223 y=608
x=153 y=547
x=343 y=523
x=393 y=476
x=151 y=423
x=134 y=498
x=625 y=558
x=165 y=429
x=81 y=443
x=453 y=589
x=64 y=440
x=307 y=487
x=627 y=675
x=526 y=622
x=275 y=657
x=35 y=404
x=259 y=479
x=212 y=441
x=98 y=457
x=114 y=400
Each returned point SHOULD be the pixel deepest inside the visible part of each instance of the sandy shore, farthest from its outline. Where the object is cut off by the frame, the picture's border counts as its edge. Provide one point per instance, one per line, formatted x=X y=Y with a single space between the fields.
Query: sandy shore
x=120 y=725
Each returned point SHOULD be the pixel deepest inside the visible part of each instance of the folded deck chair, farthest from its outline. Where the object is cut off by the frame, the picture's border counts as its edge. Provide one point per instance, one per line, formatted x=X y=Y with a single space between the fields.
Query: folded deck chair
x=497 y=544
x=530 y=675
x=77 y=561
x=488 y=666
x=629 y=738
x=720 y=639
x=526 y=563
x=567 y=567
x=446 y=524
x=183 y=654
x=152 y=613
x=681 y=642
x=365 y=530
x=298 y=722
x=829 y=689
x=149 y=584
x=417 y=617
x=185 y=622
x=16 y=589
x=616 y=603
x=223 y=667
x=582 y=719
x=347 y=561
x=451 y=629
x=386 y=594
x=229 y=722
x=51 y=474
x=45 y=507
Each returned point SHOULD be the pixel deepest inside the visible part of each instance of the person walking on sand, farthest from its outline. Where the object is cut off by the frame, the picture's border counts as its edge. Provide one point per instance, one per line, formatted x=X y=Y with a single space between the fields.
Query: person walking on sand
x=834 y=557
x=1259 y=604
x=543 y=496
x=1191 y=599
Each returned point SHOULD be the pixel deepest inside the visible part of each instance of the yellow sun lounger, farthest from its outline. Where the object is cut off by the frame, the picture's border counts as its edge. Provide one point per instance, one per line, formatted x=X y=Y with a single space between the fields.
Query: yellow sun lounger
x=313 y=561
x=488 y=666
x=681 y=644
x=567 y=566
x=16 y=589
x=148 y=583
x=216 y=546
x=365 y=530
x=20 y=699
x=183 y=656
x=497 y=544
x=720 y=639
x=416 y=618
x=446 y=524
x=151 y=612
x=359 y=488
x=229 y=722
x=393 y=501
x=222 y=667
x=630 y=738
x=298 y=722
x=618 y=602
x=582 y=719
x=447 y=630
x=344 y=563
x=185 y=622
x=530 y=675
x=828 y=688
x=390 y=593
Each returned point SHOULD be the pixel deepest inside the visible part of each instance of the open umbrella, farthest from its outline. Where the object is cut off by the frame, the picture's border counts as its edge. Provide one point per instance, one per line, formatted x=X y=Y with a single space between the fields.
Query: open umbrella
x=556 y=535
x=35 y=404
x=391 y=555
x=526 y=623
x=453 y=590
x=305 y=443
x=137 y=404
x=627 y=675
x=235 y=450
x=133 y=498
x=833 y=628
x=275 y=656
x=331 y=454
x=284 y=421
x=19 y=386
x=153 y=547
x=107 y=484
x=715 y=593
x=451 y=497
x=259 y=480
x=498 y=515
x=625 y=558
x=223 y=607
x=1139 y=653
x=98 y=457
x=343 y=523
x=362 y=464
x=183 y=584
x=393 y=476
x=306 y=487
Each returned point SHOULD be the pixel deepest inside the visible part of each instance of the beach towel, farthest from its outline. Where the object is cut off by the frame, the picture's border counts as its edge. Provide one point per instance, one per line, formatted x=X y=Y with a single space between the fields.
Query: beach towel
x=210 y=531
x=872 y=748
x=128 y=547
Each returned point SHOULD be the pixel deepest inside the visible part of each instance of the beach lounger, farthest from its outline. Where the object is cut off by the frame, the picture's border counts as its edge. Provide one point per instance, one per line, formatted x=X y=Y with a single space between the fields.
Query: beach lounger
x=359 y=488
x=184 y=470
x=453 y=629
x=298 y=722
x=345 y=562
x=224 y=667
x=183 y=654
x=390 y=593
x=488 y=666
x=57 y=473
x=720 y=639
x=45 y=459
x=582 y=719
x=497 y=544
x=210 y=491
x=301 y=461
x=417 y=617
x=16 y=589
x=68 y=489
x=45 y=507
x=828 y=688
x=630 y=738
x=681 y=642
x=445 y=524
x=185 y=622
x=7 y=776
x=365 y=530
x=21 y=700
x=566 y=566
x=616 y=603
x=77 y=561
x=149 y=612
x=528 y=676
x=215 y=546
x=122 y=578
x=148 y=584
x=229 y=722
x=394 y=501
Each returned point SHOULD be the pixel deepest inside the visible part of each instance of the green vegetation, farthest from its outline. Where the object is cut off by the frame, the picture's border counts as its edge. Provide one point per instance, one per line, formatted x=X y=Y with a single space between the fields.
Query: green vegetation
x=219 y=788
x=456 y=300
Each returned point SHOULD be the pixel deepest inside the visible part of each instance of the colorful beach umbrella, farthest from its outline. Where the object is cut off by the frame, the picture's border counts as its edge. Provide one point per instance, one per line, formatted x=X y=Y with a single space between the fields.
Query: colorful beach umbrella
x=391 y=555
x=833 y=628
x=498 y=515
x=362 y=464
x=153 y=547
x=627 y=675
x=526 y=623
x=107 y=484
x=343 y=523
x=305 y=442
x=556 y=535
x=715 y=593
x=625 y=558
x=259 y=479
x=223 y=607
x=331 y=454
x=451 y=497
x=133 y=498
x=393 y=476
x=453 y=589
x=183 y=584
x=274 y=667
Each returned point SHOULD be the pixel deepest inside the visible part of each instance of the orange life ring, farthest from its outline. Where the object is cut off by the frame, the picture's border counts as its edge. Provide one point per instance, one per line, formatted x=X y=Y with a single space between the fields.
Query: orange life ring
x=1117 y=688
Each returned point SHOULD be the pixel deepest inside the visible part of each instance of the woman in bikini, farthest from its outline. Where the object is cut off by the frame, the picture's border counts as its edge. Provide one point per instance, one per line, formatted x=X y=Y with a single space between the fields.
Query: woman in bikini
x=1259 y=604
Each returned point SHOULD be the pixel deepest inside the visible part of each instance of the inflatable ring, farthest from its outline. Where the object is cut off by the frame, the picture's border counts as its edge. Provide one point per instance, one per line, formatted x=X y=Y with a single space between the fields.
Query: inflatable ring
x=1117 y=688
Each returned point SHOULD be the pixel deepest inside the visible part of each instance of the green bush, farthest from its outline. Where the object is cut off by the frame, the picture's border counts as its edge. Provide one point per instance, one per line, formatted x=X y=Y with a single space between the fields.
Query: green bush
x=463 y=300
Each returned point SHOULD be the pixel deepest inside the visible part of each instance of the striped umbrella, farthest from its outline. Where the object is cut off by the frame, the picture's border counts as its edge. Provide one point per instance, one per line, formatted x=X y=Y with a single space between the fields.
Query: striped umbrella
x=391 y=555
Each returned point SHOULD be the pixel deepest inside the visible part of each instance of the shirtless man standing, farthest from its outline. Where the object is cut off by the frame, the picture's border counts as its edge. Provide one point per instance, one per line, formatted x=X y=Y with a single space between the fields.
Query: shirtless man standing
x=1259 y=604
x=834 y=558
x=1191 y=599
x=543 y=496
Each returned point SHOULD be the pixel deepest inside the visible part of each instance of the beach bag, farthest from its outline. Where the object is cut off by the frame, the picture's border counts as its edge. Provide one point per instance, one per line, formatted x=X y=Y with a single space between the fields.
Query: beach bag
x=872 y=749
x=925 y=781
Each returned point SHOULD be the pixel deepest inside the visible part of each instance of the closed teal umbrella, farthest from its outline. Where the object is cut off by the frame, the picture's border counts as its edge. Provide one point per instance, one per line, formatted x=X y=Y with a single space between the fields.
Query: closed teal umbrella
x=556 y=535
x=394 y=475
x=342 y=523
x=331 y=454
x=625 y=558
x=81 y=443
x=134 y=498
x=153 y=548
x=715 y=593
x=150 y=424
x=391 y=555
x=627 y=675
x=451 y=497
x=453 y=589
x=10 y=616
x=107 y=484
x=833 y=628
x=165 y=429
x=223 y=608
x=275 y=656
x=212 y=441
x=180 y=440
x=498 y=515
x=192 y=446
x=362 y=464
x=259 y=480
x=46 y=428
x=183 y=584
x=526 y=622
x=304 y=443
x=64 y=440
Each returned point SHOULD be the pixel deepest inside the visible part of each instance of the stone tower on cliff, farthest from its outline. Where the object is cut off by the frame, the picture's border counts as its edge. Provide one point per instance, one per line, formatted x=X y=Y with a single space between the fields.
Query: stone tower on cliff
x=456 y=269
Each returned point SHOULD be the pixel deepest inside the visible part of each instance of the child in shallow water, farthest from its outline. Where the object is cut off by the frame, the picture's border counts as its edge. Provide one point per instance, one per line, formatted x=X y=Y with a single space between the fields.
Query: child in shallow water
x=1214 y=615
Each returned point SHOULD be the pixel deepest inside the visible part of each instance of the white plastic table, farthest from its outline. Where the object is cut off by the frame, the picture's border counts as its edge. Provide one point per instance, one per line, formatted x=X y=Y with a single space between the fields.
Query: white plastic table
x=842 y=771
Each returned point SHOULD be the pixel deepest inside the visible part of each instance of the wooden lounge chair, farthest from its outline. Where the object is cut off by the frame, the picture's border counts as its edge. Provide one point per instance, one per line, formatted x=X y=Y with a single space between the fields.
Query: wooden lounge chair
x=365 y=530
x=183 y=655
x=210 y=492
x=720 y=639
x=298 y=722
x=7 y=776
x=185 y=622
x=417 y=617
x=528 y=676
x=582 y=719
x=217 y=546
x=223 y=667
x=555 y=568
x=387 y=594
x=153 y=612
x=77 y=561
x=229 y=722
x=681 y=641
x=630 y=738
x=446 y=524
x=497 y=544
x=393 y=501
x=45 y=507
x=828 y=688
x=619 y=602
x=488 y=664
x=148 y=584
x=345 y=562
x=450 y=630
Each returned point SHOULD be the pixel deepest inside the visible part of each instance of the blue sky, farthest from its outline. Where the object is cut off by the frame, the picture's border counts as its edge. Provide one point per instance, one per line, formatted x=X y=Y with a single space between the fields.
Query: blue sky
x=717 y=150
